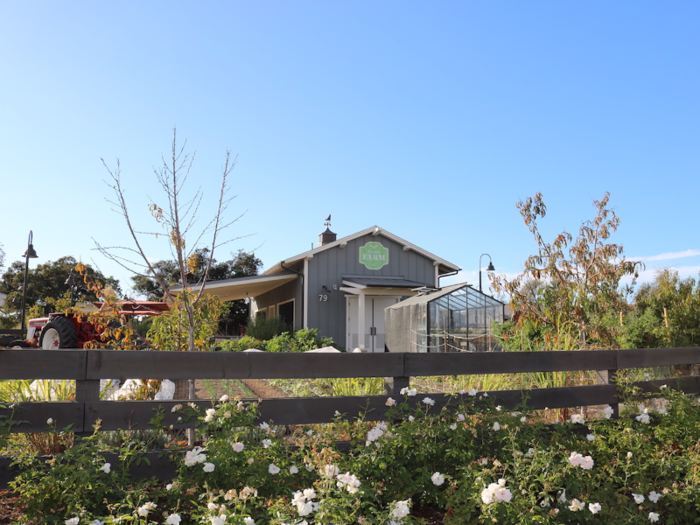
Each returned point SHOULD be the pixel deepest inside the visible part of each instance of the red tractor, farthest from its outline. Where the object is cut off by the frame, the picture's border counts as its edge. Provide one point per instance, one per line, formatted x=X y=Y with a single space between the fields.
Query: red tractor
x=59 y=330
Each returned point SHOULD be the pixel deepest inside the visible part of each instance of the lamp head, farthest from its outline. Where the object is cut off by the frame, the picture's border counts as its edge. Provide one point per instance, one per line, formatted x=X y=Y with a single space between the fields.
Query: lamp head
x=490 y=267
x=30 y=253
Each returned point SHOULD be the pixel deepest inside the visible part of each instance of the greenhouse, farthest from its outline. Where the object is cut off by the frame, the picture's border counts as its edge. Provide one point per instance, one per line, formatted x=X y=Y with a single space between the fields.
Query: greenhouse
x=454 y=318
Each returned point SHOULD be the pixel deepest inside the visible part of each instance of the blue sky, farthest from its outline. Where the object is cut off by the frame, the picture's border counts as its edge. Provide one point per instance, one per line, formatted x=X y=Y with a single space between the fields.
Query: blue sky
x=430 y=120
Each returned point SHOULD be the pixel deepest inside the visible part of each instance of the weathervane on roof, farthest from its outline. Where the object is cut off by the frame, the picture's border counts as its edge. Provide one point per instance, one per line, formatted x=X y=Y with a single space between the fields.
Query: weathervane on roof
x=328 y=222
x=328 y=236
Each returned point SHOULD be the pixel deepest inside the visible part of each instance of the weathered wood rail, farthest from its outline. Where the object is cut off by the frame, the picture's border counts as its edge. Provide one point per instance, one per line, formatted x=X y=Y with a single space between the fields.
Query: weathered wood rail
x=87 y=367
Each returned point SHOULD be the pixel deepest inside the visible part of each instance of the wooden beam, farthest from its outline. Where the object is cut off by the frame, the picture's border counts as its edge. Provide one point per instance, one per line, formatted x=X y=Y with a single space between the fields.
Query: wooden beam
x=42 y=364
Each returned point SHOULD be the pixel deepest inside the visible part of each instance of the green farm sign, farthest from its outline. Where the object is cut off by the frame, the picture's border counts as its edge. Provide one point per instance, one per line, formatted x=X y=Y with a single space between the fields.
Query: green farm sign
x=373 y=255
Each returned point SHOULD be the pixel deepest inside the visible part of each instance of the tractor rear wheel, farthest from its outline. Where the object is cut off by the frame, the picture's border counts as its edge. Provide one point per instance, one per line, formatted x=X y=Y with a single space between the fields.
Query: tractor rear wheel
x=58 y=333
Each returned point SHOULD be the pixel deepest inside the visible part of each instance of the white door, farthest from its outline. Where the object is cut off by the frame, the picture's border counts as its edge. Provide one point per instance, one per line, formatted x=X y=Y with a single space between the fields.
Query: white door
x=374 y=335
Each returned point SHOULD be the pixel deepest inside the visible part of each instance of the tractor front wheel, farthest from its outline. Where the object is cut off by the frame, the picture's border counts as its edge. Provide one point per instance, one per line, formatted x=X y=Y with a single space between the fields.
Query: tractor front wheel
x=58 y=333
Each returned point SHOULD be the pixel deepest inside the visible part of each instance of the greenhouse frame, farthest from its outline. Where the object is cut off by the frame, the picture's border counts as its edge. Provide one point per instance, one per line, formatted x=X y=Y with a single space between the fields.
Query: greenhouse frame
x=454 y=318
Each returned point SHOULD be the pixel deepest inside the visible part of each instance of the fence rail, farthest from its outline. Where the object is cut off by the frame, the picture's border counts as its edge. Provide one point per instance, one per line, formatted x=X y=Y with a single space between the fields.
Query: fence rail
x=88 y=367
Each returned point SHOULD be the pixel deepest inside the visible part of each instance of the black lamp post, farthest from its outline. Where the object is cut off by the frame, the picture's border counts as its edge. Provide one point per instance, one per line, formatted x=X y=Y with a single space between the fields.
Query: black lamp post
x=70 y=282
x=29 y=254
x=489 y=269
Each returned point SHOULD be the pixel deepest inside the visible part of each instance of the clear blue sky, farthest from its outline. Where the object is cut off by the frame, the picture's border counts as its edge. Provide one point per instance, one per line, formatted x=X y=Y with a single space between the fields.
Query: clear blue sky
x=429 y=119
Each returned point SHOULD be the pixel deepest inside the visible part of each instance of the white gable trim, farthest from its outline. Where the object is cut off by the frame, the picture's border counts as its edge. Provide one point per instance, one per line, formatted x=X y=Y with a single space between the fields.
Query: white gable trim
x=375 y=231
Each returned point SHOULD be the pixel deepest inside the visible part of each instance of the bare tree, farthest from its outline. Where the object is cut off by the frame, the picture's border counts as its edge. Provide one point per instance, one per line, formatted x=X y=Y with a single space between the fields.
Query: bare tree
x=178 y=219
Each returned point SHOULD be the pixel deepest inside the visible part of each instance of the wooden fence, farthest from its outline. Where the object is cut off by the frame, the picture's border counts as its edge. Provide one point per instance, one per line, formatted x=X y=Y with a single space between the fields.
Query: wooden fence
x=87 y=367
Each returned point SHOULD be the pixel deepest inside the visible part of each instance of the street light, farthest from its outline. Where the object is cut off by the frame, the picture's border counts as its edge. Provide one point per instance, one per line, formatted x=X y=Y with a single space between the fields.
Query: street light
x=70 y=282
x=29 y=254
x=489 y=269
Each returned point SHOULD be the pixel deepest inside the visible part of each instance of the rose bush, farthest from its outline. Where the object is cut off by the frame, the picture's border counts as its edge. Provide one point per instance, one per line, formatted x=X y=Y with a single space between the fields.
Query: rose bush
x=476 y=465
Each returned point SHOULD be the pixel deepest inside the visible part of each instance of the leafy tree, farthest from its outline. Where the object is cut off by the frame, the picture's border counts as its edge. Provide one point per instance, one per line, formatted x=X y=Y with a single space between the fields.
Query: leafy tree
x=569 y=288
x=2 y=257
x=46 y=286
x=243 y=264
x=667 y=298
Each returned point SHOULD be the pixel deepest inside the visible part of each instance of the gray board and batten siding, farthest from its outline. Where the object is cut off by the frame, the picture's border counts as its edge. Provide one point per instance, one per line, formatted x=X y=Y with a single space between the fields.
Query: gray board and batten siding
x=327 y=266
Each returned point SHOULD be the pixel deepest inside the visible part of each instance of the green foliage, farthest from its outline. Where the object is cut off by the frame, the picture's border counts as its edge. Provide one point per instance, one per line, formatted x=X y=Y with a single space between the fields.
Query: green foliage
x=242 y=264
x=170 y=332
x=265 y=328
x=299 y=341
x=479 y=463
x=570 y=285
x=46 y=288
x=94 y=489
x=680 y=298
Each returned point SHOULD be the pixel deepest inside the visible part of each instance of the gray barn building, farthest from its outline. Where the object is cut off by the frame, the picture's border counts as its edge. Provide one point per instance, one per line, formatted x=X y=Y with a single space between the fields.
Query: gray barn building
x=342 y=286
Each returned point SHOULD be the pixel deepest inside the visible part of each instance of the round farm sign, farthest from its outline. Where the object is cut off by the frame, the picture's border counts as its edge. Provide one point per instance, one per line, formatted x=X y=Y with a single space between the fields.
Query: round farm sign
x=373 y=255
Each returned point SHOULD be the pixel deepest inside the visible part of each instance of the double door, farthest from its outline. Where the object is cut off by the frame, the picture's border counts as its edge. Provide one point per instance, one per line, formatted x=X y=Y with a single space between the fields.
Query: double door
x=373 y=316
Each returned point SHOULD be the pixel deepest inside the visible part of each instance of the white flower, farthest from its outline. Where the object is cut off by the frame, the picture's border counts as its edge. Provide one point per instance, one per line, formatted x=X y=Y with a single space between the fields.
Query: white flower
x=50 y=422
x=194 y=456
x=608 y=412
x=330 y=471
x=544 y=503
x=629 y=455
x=503 y=494
x=428 y=401
x=175 y=409
x=653 y=517
x=144 y=509
x=473 y=392
x=453 y=426
x=106 y=468
x=411 y=419
x=390 y=402
x=400 y=509
x=273 y=469
x=523 y=419
x=486 y=394
x=530 y=452
x=218 y=520
x=248 y=521
x=212 y=506
x=590 y=437
x=350 y=482
x=594 y=508
x=309 y=433
x=173 y=519
x=562 y=497
x=499 y=408
x=577 y=460
x=97 y=522
x=264 y=426
x=437 y=479
x=72 y=521
x=496 y=492
x=460 y=417
x=577 y=419
x=643 y=418
x=662 y=411
x=496 y=426
x=293 y=469
x=638 y=498
x=654 y=496
x=374 y=434
x=662 y=387
x=208 y=467
x=576 y=505
x=210 y=415
x=247 y=492
x=266 y=443
x=238 y=447
x=410 y=392
x=337 y=413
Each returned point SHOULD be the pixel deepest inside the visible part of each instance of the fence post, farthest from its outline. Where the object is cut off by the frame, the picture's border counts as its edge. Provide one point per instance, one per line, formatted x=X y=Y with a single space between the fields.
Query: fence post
x=86 y=390
x=609 y=377
x=393 y=385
